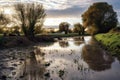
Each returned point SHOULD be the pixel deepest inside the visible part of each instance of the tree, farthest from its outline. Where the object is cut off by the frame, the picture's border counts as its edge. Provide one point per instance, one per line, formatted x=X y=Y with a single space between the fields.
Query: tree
x=30 y=15
x=3 y=22
x=101 y=17
x=78 y=28
x=64 y=26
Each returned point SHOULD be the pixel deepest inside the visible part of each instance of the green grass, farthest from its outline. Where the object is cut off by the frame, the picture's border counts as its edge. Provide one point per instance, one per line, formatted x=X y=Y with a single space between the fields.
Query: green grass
x=1 y=35
x=111 y=41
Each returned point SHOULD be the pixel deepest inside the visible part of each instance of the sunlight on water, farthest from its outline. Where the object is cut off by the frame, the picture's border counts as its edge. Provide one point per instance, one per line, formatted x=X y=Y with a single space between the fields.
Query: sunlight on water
x=78 y=59
x=67 y=59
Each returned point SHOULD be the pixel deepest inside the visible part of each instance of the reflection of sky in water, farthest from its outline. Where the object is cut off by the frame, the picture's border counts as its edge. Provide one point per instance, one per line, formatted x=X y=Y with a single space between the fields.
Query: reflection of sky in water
x=71 y=44
x=57 y=46
x=68 y=58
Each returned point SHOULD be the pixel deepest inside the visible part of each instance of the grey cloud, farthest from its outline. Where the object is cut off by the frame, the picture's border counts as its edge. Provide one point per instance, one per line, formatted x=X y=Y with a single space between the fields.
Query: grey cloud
x=66 y=8
x=74 y=11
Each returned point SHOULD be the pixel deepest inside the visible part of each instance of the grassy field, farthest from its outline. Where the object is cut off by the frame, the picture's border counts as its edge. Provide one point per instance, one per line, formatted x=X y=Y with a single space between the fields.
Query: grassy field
x=0 y=35
x=111 y=41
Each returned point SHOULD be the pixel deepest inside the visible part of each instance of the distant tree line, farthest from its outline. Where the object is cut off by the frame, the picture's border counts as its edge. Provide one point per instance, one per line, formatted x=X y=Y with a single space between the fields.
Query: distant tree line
x=99 y=18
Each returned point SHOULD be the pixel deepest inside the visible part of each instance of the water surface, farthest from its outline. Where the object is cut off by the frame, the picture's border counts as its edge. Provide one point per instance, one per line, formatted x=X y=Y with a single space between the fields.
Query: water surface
x=77 y=59
x=67 y=59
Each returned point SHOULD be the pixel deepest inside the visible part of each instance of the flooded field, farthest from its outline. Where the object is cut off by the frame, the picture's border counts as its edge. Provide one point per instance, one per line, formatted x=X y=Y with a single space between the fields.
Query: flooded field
x=67 y=59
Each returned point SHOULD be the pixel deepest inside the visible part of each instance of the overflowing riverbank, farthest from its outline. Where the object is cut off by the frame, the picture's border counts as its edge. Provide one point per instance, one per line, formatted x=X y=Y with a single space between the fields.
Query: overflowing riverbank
x=68 y=59
x=20 y=41
x=111 y=41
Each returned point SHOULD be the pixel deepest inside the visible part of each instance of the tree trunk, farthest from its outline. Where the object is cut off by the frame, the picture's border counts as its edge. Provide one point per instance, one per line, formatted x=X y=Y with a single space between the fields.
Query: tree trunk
x=66 y=32
x=30 y=33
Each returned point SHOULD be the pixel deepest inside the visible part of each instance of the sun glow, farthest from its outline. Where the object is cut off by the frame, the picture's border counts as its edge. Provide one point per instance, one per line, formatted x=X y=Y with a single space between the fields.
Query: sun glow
x=8 y=11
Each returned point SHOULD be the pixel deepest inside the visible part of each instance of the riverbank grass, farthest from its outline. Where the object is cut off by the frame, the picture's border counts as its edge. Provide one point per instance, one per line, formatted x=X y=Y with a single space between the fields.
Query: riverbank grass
x=111 y=41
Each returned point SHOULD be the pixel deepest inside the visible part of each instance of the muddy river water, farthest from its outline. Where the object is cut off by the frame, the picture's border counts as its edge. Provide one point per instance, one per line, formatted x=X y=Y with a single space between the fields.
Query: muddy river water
x=66 y=59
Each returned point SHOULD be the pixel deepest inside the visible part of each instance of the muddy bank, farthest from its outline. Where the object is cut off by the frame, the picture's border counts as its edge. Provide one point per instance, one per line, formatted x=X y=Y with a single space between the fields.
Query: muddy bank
x=12 y=63
x=22 y=41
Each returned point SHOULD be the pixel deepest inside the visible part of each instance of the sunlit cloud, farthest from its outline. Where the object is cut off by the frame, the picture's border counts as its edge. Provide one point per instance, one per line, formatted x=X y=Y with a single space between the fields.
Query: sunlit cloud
x=53 y=4
x=63 y=4
x=57 y=21
x=64 y=10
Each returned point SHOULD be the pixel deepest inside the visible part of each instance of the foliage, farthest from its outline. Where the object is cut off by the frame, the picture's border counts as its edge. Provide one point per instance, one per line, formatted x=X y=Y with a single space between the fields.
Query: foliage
x=92 y=30
x=78 y=28
x=102 y=15
x=30 y=15
x=64 y=26
x=1 y=30
x=115 y=30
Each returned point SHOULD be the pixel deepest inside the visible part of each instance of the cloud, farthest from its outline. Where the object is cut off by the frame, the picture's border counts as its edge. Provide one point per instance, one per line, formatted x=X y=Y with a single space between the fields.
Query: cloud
x=77 y=7
x=53 y=4
x=66 y=8
x=74 y=11
x=63 y=4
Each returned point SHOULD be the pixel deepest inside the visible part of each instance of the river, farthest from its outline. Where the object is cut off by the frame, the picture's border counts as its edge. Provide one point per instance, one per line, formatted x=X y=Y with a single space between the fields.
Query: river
x=68 y=59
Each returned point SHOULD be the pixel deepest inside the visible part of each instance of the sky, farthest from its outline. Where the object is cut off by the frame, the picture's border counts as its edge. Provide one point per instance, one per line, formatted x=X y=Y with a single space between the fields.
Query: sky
x=63 y=10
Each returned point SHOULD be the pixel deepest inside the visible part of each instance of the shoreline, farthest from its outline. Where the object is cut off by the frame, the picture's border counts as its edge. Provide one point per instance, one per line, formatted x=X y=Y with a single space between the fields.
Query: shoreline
x=22 y=41
x=110 y=42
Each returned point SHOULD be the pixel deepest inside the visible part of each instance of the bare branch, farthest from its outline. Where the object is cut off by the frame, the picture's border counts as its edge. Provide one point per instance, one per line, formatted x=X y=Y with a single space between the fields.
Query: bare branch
x=30 y=14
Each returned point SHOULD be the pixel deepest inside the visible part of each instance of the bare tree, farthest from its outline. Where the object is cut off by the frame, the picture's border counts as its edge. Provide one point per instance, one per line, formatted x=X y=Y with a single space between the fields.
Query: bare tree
x=3 y=19
x=30 y=15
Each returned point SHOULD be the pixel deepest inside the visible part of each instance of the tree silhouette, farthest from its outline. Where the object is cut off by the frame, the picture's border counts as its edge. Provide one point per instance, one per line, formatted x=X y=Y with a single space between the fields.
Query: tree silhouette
x=78 y=28
x=30 y=15
x=64 y=26
x=101 y=17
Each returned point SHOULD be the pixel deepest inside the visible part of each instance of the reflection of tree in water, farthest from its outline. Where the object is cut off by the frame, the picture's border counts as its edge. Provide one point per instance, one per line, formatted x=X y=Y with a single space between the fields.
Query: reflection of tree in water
x=34 y=69
x=78 y=40
x=45 y=44
x=118 y=58
x=63 y=44
x=96 y=58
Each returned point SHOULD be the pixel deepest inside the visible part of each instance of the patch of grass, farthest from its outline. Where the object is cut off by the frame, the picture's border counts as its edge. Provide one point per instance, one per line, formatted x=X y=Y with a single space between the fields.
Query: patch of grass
x=111 y=41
